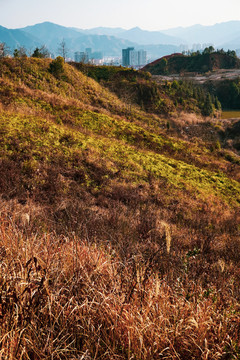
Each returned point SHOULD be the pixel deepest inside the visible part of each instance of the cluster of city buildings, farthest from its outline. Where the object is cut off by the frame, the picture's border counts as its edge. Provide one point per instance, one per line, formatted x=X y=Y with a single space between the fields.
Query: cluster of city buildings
x=88 y=56
x=130 y=58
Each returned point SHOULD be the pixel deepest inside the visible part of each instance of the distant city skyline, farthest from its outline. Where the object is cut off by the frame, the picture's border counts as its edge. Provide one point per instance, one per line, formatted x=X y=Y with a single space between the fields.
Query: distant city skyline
x=146 y=14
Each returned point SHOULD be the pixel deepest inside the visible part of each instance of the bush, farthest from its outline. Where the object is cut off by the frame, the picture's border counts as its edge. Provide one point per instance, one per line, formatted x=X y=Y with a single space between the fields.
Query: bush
x=57 y=67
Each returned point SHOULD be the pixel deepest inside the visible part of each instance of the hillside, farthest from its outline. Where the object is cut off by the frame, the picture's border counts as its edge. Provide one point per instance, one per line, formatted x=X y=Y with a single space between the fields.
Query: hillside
x=196 y=62
x=119 y=233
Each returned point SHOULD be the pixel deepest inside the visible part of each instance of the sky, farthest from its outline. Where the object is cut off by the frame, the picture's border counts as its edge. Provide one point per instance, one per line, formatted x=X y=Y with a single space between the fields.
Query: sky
x=146 y=14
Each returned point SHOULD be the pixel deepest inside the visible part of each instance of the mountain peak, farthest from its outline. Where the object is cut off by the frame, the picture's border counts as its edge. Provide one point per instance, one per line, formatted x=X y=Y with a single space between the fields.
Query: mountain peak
x=136 y=28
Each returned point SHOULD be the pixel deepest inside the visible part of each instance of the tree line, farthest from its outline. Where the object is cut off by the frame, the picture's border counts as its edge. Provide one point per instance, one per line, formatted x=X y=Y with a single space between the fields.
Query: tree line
x=41 y=52
x=211 y=50
x=227 y=91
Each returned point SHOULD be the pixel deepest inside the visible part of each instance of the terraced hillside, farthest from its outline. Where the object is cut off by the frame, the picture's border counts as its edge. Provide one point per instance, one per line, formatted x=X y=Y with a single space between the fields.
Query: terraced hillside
x=119 y=219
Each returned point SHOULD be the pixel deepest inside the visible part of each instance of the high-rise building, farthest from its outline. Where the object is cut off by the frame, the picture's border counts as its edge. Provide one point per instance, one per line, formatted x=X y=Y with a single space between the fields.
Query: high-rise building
x=131 y=57
x=77 y=56
x=142 y=57
x=80 y=56
x=88 y=51
x=126 y=56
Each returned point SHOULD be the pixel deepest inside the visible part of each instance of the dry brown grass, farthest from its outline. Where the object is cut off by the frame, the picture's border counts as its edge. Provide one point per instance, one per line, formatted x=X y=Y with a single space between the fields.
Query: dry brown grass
x=64 y=298
x=185 y=119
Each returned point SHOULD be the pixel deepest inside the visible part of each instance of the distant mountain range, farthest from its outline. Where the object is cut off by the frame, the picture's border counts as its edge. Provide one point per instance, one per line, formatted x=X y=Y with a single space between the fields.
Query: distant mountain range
x=221 y=35
x=14 y=38
x=112 y=40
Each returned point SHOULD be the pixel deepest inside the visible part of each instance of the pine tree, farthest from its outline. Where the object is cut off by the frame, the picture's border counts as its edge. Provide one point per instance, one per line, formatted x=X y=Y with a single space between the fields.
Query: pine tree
x=208 y=106
x=41 y=52
x=217 y=104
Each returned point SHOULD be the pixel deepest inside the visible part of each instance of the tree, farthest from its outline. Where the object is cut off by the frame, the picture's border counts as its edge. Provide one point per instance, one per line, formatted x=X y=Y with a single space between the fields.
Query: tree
x=162 y=66
x=21 y=51
x=41 y=52
x=208 y=50
x=217 y=104
x=221 y=51
x=208 y=106
x=62 y=49
x=211 y=49
x=232 y=53
x=4 y=50
x=84 y=58
x=234 y=94
x=20 y=54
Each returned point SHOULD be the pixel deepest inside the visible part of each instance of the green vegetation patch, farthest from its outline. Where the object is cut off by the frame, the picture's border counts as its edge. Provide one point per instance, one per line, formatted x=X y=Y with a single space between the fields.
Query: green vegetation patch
x=29 y=138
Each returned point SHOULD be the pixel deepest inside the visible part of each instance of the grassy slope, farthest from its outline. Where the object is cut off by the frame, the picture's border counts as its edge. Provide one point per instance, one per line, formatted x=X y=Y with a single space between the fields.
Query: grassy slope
x=69 y=106
x=75 y=158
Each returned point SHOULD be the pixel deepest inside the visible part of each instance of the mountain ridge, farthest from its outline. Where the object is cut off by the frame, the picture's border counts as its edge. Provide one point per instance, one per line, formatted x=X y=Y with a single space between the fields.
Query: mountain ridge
x=112 y=40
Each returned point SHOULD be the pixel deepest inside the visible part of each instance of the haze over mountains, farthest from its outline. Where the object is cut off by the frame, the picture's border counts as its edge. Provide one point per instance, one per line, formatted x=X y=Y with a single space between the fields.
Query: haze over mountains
x=220 y=34
x=112 y=40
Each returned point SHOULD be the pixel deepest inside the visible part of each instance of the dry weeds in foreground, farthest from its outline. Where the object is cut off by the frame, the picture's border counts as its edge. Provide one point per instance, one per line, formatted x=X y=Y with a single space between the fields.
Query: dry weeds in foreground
x=63 y=298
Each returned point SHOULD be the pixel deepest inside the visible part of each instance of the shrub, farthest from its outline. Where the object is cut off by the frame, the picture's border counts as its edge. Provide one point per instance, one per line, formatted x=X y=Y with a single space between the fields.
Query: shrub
x=57 y=67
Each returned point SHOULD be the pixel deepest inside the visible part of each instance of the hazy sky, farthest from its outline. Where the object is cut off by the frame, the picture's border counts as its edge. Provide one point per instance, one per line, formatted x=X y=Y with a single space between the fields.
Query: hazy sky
x=147 y=14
